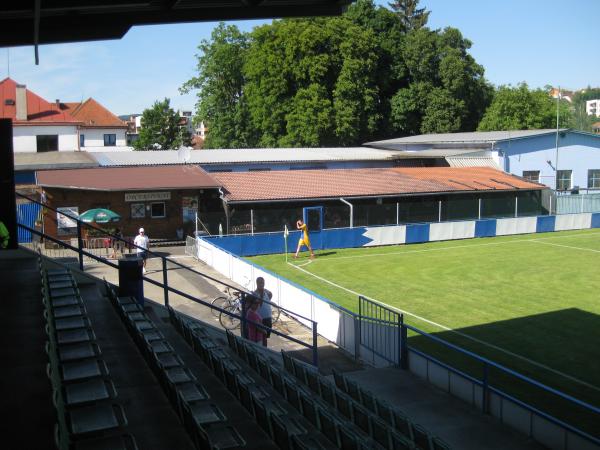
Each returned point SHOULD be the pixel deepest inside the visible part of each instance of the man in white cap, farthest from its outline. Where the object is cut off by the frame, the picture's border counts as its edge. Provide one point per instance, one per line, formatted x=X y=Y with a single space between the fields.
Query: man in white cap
x=142 y=243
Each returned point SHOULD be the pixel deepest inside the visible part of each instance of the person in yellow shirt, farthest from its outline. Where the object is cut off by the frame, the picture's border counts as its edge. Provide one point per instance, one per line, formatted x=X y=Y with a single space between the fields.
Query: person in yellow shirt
x=304 y=240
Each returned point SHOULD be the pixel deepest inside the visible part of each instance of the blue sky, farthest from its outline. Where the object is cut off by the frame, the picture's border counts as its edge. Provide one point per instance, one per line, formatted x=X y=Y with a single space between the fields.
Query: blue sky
x=537 y=41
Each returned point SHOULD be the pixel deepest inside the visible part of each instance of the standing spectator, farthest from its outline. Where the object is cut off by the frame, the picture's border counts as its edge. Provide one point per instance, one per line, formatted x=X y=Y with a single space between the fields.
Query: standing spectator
x=255 y=334
x=117 y=244
x=142 y=242
x=263 y=296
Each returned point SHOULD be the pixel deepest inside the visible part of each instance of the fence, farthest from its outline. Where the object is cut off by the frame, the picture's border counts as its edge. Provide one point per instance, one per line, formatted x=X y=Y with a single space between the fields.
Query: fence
x=28 y=214
x=378 y=334
x=266 y=243
x=577 y=203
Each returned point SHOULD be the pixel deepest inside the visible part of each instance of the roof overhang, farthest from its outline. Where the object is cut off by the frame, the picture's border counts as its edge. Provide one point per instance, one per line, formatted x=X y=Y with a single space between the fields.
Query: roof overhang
x=87 y=20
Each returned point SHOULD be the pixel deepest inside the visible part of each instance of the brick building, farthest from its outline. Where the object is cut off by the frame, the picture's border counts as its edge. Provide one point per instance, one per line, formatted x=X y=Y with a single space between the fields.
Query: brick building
x=162 y=199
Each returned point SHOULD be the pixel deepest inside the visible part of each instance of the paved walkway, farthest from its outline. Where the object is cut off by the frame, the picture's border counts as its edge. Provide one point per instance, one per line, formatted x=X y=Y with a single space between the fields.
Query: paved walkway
x=205 y=289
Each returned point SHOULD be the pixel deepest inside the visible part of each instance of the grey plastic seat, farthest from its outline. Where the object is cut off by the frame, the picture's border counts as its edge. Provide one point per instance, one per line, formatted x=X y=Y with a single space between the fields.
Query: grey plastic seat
x=74 y=336
x=120 y=442
x=65 y=301
x=80 y=350
x=84 y=369
x=93 y=390
x=92 y=419
x=219 y=437
x=284 y=429
x=71 y=323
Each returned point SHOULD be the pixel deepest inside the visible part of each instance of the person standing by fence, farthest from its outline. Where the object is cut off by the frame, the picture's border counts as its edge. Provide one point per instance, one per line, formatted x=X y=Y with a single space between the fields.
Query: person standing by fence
x=263 y=297
x=142 y=243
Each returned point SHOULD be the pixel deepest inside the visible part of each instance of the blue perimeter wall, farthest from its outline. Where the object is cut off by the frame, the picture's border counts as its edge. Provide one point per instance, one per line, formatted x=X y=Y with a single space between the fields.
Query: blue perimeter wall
x=269 y=243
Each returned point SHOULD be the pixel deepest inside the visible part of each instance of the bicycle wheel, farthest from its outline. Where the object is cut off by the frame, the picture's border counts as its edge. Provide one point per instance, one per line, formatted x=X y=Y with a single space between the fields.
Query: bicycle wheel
x=230 y=322
x=275 y=313
x=220 y=302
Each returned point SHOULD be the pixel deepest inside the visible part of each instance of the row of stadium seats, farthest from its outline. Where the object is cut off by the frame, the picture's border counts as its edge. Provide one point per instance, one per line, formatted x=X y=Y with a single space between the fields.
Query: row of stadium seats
x=205 y=422
x=287 y=428
x=84 y=396
x=371 y=414
x=340 y=431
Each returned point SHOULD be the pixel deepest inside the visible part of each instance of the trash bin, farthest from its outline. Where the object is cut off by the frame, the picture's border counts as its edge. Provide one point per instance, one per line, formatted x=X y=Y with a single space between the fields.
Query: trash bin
x=131 y=280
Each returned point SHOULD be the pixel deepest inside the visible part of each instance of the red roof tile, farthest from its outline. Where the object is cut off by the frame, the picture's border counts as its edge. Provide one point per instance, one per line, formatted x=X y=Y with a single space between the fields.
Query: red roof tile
x=335 y=183
x=39 y=111
x=128 y=178
x=93 y=114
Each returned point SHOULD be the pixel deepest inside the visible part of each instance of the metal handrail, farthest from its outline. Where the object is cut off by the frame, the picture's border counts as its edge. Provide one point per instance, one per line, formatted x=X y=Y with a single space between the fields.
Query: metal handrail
x=167 y=288
x=486 y=387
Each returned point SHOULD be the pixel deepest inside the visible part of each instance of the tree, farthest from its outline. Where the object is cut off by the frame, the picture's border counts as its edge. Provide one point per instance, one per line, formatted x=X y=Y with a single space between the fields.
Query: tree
x=580 y=120
x=411 y=17
x=220 y=84
x=161 y=129
x=519 y=108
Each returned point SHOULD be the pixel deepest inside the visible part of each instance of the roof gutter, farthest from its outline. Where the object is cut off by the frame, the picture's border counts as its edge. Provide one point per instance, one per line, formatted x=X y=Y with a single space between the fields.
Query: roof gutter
x=351 y=211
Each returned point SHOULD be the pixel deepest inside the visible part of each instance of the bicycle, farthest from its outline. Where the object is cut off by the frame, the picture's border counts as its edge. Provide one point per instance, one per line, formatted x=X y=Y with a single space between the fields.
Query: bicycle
x=232 y=303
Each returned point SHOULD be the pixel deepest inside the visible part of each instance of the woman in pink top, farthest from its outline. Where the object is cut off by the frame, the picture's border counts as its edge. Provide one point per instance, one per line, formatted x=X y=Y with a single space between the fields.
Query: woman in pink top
x=255 y=334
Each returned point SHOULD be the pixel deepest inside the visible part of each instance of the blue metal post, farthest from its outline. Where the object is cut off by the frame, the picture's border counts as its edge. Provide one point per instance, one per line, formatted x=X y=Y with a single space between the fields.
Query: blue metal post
x=484 y=393
x=403 y=333
x=315 y=345
x=80 y=245
x=165 y=281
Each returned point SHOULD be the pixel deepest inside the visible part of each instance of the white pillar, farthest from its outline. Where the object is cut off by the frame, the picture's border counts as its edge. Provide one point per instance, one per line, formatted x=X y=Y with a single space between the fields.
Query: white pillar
x=252 y=222
x=479 y=210
x=516 y=205
x=397 y=213
x=439 y=211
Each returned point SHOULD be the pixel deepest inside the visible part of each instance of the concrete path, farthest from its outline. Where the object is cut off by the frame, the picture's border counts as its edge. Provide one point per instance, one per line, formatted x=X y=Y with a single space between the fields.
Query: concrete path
x=206 y=290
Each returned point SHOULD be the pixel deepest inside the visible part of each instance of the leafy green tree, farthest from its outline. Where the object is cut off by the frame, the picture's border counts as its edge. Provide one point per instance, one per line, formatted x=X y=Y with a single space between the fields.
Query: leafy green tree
x=520 y=108
x=580 y=120
x=220 y=84
x=411 y=17
x=161 y=129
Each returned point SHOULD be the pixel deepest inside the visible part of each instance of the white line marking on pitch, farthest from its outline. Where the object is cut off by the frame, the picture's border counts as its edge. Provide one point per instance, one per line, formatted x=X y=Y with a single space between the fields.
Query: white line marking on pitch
x=508 y=352
x=567 y=246
x=408 y=252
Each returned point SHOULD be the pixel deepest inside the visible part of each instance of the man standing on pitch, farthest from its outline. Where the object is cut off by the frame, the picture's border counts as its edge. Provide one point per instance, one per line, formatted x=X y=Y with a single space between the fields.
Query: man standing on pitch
x=264 y=310
x=142 y=243
x=304 y=240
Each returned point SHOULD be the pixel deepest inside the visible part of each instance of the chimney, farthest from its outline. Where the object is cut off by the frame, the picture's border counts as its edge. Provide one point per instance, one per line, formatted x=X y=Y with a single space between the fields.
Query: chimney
x=21 y=101
x=57 y=103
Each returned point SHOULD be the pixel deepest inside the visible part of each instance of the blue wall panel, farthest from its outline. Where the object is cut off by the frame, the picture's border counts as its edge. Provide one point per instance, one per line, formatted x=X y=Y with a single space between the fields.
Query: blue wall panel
x=27 y=214
x=545 y=224
x=417 y=233
x=596 y=220
x=485 y=228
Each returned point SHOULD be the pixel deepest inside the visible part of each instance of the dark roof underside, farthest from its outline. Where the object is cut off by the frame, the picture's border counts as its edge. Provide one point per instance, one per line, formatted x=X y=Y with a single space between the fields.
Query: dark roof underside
x=86 y=20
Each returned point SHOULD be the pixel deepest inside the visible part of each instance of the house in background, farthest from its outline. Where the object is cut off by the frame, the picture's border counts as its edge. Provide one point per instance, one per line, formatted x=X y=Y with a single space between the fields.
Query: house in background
x=567 y=160
x=592 y=107
x=41 y=126
x=99 y=127
x=38 y=125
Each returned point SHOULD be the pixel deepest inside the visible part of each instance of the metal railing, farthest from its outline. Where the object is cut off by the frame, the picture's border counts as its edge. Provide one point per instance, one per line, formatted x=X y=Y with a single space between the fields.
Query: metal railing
x=79 y=250
x=382 y=313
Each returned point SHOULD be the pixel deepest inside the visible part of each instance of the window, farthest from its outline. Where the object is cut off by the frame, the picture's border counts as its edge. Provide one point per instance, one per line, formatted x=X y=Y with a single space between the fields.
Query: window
x=532 y=175
x=563 y=180
x=594 y=179
x=47 y=143
x=157 y=210
x=82 y=140
x=110 y=140
x=138 y=210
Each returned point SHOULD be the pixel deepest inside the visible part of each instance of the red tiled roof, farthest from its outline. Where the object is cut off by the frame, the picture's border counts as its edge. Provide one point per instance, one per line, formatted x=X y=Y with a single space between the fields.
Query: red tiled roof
x=93 y=114
x=335 y=183
x=39 y=111
x=128 y=178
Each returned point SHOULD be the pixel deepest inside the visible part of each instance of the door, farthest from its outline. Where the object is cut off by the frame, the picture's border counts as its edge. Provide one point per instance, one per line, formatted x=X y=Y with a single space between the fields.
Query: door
x=313 y=218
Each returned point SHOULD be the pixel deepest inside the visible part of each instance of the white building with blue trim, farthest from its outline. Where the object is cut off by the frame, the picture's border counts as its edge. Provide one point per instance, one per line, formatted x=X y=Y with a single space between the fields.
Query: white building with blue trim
x=565 y=160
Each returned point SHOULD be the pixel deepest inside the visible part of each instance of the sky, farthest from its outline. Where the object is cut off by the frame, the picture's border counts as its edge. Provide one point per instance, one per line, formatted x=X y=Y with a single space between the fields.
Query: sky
x=540 y=42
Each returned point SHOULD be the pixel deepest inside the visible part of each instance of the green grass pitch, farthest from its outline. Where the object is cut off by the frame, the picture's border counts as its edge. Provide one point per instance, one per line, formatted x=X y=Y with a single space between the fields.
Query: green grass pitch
x=528 y=302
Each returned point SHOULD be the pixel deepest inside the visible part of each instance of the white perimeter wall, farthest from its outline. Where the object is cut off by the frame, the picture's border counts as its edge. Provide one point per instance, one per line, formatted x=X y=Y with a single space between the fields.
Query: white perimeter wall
x=24 y=138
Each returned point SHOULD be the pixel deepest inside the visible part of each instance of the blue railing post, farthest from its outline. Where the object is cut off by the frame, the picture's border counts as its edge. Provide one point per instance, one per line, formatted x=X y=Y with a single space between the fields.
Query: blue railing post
x=165 y=281
x=80 y=245
x=315 y=348
x=484 y=389
x=244 y=325
x=403 y=333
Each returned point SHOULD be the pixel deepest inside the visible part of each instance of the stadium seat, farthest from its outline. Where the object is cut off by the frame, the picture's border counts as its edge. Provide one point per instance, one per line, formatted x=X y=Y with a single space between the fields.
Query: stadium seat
x=439 y=444
x=349 y=440
x=291 y=393
x=78 y=351
x=119 y=442
x=327 y=392
x=309 y=409
x=421 y=437
x=340 y=381
x=403 y=424
x=400 y=442
x=276 y=379
x=218 y=437
x=93 y=390
x=360 y=417
x=284 y=429
x=343 y=404
x=380 y=432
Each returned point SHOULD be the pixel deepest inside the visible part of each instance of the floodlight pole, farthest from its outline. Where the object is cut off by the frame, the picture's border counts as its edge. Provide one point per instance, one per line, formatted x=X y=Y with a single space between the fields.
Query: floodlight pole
x=556 y=156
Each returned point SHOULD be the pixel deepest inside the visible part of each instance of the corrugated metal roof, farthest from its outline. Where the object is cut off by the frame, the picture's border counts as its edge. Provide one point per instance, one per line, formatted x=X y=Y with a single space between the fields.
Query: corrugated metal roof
x=472 y=161
x=336 y=183
x=243 y=156
x=128 y=178
x=475 y=137
x=53 y=160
